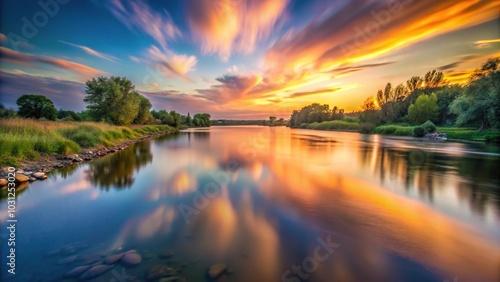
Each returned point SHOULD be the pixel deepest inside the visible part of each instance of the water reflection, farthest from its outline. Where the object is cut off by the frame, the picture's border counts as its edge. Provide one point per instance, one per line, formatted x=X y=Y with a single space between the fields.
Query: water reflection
x=399 y=210
x=117 y=170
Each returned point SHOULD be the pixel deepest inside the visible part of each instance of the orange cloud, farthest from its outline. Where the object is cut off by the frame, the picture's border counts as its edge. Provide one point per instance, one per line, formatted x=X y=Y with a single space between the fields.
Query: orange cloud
x=228 y=25
x=231 y=88
x=19 y=58
x=358 y=32
x=172 y=64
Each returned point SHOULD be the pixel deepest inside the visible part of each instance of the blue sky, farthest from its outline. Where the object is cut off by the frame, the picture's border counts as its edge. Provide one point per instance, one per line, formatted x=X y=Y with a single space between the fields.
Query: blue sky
x=239 y=58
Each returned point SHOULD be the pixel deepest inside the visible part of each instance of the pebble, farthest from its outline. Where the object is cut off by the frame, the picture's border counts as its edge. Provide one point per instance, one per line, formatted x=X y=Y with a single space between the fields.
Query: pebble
x=216 y=270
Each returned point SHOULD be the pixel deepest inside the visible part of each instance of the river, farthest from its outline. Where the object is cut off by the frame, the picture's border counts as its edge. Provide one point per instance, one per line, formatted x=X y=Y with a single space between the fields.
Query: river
x=273 y=204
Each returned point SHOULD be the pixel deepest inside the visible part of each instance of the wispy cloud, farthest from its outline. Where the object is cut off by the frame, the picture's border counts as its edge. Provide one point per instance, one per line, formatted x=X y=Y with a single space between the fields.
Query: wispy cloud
x=92 y=52
x=315 y=92
x=170 y=63
x=486 y=43
x=358 y=31
x=27 y=59
x=137 y=15
x=223 y=27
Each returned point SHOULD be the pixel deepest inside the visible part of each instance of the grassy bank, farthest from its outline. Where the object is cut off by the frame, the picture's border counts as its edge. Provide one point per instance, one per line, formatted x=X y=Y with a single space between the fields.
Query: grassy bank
x=25 y=139
x=458 y=133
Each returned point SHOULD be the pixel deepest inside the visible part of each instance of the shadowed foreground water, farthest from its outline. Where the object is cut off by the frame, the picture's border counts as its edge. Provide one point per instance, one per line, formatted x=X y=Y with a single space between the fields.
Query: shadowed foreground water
x=274 y=204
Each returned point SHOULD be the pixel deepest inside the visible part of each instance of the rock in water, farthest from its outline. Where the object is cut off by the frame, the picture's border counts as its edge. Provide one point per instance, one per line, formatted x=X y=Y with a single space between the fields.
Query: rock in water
x=95 y=271
x=77 y=271
x=113 y=258
x=166 y=254
x=39 y=175
x=68 y=260
x=20 y=178
x=216 y=270
x=160 y=271
x=131 y=259
x=3 y=182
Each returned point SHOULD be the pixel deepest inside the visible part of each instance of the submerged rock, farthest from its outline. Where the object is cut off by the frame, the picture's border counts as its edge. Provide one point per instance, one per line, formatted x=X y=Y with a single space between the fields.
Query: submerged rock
x=159 y=271
x=95 y=271
x=131 y=259
x=68 y=260
x=166 y=254
x=216 y=270
x=172 y=279
x=77 y=271
x=113 y=258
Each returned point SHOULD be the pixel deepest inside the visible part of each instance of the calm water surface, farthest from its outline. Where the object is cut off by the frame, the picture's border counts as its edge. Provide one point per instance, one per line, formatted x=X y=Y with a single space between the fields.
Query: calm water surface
x=274 y=204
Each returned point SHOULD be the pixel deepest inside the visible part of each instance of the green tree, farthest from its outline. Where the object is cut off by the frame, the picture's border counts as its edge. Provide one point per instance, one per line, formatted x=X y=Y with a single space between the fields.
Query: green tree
x=6 y=113
x=272 y=121
x=68 y=115
x=414 y=83
x=36 y=106
x=143 y=115
x=425 y=108
x=189 y=120
x=433 y=79
x=479 y=106
x=112 y=99
x=445 y=96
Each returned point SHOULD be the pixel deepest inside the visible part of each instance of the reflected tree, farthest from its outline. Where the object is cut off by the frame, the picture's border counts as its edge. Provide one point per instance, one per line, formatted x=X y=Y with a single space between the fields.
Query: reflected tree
x=117 y=170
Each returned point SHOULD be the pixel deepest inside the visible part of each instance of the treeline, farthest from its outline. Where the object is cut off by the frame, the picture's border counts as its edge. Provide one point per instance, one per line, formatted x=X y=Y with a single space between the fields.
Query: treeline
x=109 y=99
x=475 y=104
x=315 y=113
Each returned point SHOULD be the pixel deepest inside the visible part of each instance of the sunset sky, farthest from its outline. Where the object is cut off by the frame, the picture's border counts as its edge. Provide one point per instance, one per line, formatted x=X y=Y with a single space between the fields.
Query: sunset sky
x=240 y=59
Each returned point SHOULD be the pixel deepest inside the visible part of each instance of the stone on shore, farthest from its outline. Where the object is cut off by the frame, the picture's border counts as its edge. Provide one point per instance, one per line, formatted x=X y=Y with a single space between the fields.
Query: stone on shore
x=39 y=175
x=20 y=178
x=216 y=270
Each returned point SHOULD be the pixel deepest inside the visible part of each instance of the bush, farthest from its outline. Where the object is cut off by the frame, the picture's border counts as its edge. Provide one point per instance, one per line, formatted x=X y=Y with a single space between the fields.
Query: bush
x=429 y=126
x=419 y=131
x=366 y=127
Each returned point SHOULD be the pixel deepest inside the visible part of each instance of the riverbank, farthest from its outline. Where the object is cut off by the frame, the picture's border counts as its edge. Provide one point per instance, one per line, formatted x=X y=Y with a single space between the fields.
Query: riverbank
x=456 y=133
x=43 y=145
